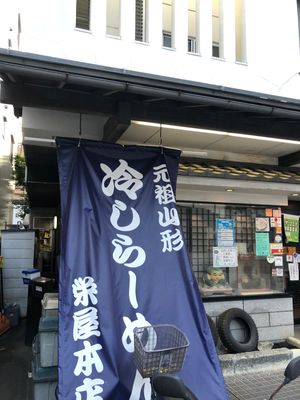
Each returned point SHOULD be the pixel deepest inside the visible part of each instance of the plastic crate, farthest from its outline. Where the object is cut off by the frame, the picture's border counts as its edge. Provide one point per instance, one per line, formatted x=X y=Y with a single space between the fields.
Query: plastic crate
x=36 y=345
x=44 y=380
x=29 y=274
x=48 y=340
x=159 y=349
x=50 y=305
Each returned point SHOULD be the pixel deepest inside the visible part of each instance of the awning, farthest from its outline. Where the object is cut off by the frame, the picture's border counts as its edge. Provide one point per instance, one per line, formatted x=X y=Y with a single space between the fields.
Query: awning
x=43 y=185
x=122 y=96
x=39 y=81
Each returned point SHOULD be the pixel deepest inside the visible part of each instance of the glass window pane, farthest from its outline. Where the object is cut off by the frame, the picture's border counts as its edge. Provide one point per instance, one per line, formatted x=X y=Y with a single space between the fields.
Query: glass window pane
x=113 y=17
x=240 y=31
x=140 y=20
x=167 y=23
x=216 y=28
x=254 y=274
x=83 y=14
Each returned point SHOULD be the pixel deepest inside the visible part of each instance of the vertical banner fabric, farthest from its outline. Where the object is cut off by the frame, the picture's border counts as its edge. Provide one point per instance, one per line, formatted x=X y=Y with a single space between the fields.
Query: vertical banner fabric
x=124 y=265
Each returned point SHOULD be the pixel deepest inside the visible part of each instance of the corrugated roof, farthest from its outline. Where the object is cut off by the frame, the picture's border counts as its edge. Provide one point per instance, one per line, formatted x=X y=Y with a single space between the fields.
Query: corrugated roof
x=239 y=171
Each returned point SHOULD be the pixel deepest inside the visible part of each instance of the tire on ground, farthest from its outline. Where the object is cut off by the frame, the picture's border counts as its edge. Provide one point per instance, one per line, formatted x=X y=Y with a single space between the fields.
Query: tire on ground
x=234 y=345
x=213 y=329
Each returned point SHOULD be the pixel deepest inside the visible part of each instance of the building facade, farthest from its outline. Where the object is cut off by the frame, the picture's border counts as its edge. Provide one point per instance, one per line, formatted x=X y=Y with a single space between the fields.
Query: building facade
x=217 y=79
x=230 y=44
x=10 y=146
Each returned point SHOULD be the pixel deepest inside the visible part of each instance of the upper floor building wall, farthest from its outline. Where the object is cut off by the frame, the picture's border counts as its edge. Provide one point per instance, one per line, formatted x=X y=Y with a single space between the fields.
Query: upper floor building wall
x=245 y=44
x=10 y=139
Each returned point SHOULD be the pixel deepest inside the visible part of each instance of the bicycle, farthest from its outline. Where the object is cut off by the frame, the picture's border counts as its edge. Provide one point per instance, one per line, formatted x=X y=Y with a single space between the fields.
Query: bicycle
x=159 y=352
x=292 y=371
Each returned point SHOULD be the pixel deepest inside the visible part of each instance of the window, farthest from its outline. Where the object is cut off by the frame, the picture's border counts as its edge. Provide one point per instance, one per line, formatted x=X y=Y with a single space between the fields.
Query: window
x=167 y=39
x=216 y=23
x=192 y=26
x=254 y=273
x=140 y=20
x=239 y=31
x=298 y=12
x=113 y=17
x=167 y=23
x=192 y=48
x=215 y=50
x=11 y=153
x=83 y=14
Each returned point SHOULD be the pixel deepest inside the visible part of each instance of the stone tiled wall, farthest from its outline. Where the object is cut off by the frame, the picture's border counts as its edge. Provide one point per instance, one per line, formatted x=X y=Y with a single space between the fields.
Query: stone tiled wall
x=273 y=317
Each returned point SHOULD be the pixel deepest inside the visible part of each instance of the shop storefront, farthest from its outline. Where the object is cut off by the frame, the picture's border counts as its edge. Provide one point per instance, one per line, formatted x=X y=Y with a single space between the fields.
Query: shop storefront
x=106 y=104
x=226 y=249
x=242 y=257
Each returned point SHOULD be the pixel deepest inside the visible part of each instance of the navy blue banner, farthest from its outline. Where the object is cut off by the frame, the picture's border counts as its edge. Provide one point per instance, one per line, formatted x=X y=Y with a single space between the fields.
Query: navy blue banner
x=124 y=265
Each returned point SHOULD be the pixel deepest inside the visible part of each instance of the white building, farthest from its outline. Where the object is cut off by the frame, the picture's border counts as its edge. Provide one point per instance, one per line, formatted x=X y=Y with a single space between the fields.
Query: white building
x=10 y=139
x=218 y=79
x=248 y=45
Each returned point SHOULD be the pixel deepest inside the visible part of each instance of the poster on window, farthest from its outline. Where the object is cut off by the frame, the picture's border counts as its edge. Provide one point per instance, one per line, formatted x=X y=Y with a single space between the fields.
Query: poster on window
x=123 y=263
x=276 y=248
x=262 y=224
x=278 y=272
x=262 y=244
x=275 y=222
x=225 y=232
x=291 y=227
x=278 y=261
x=224 y=257
x=293 y=271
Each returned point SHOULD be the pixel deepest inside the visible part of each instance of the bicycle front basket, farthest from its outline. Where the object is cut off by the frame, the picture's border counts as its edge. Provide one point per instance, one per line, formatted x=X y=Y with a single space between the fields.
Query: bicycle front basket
x=159 y=349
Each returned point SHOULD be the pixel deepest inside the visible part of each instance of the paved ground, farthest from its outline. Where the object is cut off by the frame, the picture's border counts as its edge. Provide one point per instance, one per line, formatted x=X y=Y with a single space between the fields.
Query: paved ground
x=259 y=386
x=15 y=359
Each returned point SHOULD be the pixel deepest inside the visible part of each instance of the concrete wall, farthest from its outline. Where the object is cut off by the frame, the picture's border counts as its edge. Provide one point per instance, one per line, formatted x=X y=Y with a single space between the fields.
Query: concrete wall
x=273 y=317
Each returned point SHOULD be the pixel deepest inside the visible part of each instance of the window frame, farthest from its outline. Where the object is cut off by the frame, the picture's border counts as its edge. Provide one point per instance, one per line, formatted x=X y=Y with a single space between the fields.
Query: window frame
x=198 y=224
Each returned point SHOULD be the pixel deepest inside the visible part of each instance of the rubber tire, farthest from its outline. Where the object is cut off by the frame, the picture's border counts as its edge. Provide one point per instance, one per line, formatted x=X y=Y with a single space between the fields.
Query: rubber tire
x=228 y=340
x=213 y=329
